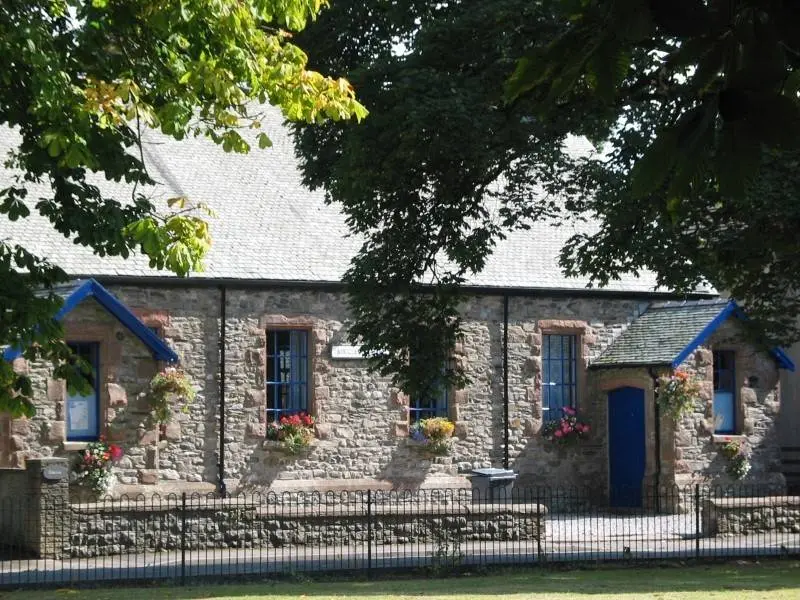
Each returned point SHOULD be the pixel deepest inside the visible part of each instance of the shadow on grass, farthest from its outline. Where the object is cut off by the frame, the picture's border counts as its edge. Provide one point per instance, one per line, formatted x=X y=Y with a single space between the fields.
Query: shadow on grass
x=731 y=578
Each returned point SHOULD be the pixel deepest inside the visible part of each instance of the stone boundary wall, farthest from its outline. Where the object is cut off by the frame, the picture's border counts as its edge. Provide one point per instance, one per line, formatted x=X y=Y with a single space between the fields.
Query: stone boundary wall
x=127 y=528
x=742 y=516
x=31 y=506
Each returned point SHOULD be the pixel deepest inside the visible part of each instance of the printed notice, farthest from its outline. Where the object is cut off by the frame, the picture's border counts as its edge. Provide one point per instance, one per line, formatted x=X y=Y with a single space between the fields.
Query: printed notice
x=78 y=414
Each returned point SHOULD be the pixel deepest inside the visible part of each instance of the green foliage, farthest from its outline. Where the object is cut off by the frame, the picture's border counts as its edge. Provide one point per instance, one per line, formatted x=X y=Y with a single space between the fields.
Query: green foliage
x=695 y=106
x=676 y=393
x=166 y=388
x=80 y=81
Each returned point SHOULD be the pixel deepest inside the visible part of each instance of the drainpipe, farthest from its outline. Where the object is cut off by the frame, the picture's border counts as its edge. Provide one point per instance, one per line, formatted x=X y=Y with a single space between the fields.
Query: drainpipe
x=505 y=381
x=657 y=430
x=223 y=301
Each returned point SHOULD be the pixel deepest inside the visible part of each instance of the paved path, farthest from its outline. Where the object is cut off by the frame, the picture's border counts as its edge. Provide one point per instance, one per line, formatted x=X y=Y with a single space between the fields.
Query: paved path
x=557 y=547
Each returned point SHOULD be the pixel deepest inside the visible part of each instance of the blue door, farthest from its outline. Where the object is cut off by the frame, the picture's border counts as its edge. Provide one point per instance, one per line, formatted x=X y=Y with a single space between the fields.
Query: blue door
x=626 y=448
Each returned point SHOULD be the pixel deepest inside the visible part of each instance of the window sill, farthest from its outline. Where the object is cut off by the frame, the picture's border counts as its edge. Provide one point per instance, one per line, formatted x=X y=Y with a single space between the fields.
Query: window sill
x=721 y=438
x=75 y=446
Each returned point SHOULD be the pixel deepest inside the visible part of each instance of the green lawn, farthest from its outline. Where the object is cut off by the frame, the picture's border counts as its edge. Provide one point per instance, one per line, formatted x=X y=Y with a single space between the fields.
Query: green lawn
x=773 y=581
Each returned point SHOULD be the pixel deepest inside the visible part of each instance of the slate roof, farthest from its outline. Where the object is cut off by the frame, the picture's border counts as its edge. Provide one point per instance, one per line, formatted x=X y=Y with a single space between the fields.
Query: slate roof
x=270 y=227
x=662 y=333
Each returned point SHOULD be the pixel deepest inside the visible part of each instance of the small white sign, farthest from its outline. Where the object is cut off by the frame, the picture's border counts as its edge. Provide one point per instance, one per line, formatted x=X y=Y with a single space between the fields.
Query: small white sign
x=343 y=352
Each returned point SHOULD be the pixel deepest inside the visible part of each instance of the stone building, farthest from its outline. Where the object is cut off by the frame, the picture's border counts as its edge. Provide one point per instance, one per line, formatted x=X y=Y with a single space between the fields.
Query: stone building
x=263 y=332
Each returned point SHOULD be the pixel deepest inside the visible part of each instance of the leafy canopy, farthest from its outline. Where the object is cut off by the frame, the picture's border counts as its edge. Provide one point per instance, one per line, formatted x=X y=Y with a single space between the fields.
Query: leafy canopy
x=691 y=104
x=80 y=81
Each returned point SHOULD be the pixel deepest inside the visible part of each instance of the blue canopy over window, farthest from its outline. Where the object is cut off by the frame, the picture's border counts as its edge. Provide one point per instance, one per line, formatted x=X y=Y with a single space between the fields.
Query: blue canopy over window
x=77 y=291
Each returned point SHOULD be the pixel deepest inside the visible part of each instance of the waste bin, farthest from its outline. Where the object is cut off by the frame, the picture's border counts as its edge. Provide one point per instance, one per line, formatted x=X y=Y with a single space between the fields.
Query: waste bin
x=492 y=485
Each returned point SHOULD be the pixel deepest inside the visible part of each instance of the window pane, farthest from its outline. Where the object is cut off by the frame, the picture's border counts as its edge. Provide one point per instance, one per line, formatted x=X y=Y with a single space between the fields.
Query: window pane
x=287 y=372
x=559 y=374
x=83 y=410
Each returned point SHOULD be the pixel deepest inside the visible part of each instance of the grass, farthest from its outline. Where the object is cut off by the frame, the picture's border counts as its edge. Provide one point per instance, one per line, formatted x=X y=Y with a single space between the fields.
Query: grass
x=772 y=581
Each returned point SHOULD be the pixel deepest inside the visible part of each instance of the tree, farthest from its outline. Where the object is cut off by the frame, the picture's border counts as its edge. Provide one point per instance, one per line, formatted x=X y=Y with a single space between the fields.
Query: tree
x=693 y=110
x=80 y=80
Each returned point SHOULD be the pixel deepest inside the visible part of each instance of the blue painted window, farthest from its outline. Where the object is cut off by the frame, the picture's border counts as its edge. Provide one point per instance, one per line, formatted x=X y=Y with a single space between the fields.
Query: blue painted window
x=559 y=374
x=724 y=391
x=426 y=406
x=287 y=373
x=83 y=410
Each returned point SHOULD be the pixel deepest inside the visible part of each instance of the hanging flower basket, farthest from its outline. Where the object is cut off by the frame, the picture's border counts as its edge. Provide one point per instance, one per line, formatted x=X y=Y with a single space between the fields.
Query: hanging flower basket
x=567 y=430
x=433 y=435
x=168 y=388
x=676 y=393
x=292 y=433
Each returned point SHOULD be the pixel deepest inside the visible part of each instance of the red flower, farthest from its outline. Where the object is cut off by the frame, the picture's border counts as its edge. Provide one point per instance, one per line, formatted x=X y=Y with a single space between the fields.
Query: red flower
x=115 y=452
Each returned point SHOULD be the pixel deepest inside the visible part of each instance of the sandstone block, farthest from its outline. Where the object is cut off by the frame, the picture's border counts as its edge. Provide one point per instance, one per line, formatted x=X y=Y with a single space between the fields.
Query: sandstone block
x=117 y=396
x=17 y=443
x=148 y=476
x=56 y=390
x=255 y=398
x=703 y=357
x=20 y=426
x=151 y=457
x=256 y=430
x=460 y=397
x=748 y=395
x=148 y=437
x=461 y=430
x=172 y=431
x=322 y=393
x=323 y=430
x=57 y=432
x=401 y=429
x=20 y=365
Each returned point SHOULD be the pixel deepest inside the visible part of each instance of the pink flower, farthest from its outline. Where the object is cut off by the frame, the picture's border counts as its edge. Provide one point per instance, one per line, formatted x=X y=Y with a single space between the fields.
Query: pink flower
x=569 y=410
x=586 y=429
x=558 y=433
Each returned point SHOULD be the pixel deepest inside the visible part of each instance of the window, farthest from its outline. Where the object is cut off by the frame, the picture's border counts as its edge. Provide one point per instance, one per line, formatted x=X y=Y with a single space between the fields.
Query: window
x=83 y=410
x=287 y=373
x=724 y=391
x=559 y=374
x=426 y=406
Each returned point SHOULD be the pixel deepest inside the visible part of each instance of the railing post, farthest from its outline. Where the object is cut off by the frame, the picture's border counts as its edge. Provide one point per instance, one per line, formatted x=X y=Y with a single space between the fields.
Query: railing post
x=183 y=538
x=697 y=520
x=538 y=525
x=369 y=533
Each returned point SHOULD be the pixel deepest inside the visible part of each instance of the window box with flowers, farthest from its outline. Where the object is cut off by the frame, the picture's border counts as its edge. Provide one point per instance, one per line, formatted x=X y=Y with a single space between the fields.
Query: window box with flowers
x=432 y=435
x=567 y=430
x=93 y=467
x=291 y=434
x=677 y=392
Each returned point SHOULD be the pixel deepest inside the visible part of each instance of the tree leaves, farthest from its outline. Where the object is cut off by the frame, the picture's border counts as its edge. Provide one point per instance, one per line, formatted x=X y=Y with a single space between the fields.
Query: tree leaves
x=82 y=80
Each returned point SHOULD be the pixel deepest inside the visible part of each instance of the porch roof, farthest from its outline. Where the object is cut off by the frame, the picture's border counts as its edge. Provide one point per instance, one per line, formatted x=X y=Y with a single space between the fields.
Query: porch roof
x=74 y=292
x=668 y=332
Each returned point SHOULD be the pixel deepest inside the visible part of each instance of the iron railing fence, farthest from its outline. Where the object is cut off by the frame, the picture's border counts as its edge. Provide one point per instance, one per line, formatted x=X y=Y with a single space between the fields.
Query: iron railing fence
x=182 y=538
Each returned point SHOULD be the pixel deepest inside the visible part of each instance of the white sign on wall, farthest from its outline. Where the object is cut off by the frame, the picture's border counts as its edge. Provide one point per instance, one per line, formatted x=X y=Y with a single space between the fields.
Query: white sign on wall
x=344 y=352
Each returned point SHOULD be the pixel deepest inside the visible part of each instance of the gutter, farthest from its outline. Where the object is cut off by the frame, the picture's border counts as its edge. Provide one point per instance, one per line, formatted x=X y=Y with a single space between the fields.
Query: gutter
x=234 y=283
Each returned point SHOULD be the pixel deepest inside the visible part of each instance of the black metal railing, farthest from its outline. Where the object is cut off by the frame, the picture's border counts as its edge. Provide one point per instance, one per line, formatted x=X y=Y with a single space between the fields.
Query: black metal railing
x=185 y=537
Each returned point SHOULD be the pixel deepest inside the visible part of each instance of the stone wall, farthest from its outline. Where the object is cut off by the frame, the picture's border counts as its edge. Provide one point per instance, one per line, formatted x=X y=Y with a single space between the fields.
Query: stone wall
x=743 y=516
x=104 y=530
x=362 y=421
x=697 y=457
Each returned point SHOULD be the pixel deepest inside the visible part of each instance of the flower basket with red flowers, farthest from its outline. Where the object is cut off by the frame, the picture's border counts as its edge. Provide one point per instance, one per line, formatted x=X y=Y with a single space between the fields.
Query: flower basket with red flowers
x=94 y=465
x=293 y=432
x=569 y=429
x=677 y=392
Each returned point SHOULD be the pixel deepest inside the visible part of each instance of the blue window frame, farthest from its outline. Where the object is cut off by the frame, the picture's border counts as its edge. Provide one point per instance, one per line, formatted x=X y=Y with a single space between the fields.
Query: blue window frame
x=83 y=410
x=724 y=391
x=287 y=373
x=427 y=406
x=559 y=374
